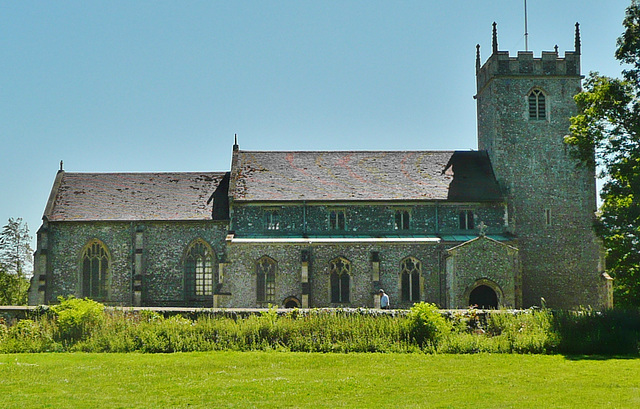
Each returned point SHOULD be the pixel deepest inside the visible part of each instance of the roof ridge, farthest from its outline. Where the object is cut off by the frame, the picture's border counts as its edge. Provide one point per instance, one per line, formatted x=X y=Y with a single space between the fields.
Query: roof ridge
x=357 y=151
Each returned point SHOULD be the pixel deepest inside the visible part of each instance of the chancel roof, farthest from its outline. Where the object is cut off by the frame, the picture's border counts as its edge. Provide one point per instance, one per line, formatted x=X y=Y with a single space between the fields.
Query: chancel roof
x=132 y=196
x=363 y=176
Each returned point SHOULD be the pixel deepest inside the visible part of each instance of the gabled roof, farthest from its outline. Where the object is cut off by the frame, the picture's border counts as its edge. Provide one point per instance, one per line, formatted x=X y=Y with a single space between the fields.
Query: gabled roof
x=363 y=176
x=132 y=196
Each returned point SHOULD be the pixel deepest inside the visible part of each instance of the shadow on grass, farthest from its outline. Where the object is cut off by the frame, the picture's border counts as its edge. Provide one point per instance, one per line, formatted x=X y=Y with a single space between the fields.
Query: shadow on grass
x=599 y=357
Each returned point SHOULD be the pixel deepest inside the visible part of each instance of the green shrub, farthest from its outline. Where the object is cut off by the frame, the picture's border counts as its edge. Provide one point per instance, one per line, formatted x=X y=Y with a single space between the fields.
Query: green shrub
x=76 y=318
x=28 y=336
x=609 y=332
x=84 y=325
x=426 y=325
x=3 y=330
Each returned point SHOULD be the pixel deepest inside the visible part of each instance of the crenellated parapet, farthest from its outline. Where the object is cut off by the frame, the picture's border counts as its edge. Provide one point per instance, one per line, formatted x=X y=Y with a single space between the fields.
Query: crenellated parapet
x=550 y=63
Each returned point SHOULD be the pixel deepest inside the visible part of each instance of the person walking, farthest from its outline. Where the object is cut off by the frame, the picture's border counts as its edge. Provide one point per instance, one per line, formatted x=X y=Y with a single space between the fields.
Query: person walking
x=384 y=300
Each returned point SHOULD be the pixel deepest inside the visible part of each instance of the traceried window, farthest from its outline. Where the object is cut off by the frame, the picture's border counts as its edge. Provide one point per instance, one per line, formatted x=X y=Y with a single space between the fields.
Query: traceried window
x=272 y=219
x=95 y=271
x=410 y=270
x=340 y=277
x=199 y=269
x=466 y=220
x=402 y=220
x=337 y=220
x=266 y=280
x=537 y=105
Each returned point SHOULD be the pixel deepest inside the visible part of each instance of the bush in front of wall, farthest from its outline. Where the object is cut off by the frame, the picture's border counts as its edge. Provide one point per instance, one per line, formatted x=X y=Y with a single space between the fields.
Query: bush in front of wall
x=76 y=318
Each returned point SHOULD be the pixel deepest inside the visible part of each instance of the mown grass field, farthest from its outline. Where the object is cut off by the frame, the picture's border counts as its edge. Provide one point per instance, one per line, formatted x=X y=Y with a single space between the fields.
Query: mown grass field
x=294 y=380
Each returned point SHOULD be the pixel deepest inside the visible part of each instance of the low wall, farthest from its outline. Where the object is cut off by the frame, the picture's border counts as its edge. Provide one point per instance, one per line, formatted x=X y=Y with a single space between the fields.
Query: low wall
x=11 y=314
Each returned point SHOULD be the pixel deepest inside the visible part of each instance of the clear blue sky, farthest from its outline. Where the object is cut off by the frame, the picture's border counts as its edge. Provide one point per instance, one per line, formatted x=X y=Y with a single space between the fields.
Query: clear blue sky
x=163 y=85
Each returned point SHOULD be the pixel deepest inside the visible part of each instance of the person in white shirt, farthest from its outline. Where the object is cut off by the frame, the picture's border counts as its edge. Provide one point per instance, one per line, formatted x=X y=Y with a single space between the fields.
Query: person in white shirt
x=384 y=300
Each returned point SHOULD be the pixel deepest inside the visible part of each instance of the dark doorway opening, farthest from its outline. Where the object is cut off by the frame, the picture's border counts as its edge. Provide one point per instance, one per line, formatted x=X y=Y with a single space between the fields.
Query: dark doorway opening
x=483 y=296
x=291 y=302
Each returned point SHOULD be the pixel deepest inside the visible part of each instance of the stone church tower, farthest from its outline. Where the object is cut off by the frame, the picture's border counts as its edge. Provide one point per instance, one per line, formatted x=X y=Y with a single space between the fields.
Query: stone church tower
x=524 y=105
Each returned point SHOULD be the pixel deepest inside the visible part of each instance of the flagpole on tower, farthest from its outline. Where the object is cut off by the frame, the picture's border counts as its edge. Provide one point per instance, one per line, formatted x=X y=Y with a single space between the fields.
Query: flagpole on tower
x=526 y=32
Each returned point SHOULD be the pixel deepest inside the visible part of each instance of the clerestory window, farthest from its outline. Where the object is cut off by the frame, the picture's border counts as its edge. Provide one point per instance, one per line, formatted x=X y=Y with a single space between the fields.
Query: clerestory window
x=537 y=105
x=272 y=219
x=466 y=220
x=337 y=220
x=402 y=220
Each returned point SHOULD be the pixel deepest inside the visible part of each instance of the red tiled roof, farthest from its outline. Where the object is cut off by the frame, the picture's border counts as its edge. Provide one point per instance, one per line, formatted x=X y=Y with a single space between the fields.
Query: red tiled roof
x=132 y=196
x=362 y=175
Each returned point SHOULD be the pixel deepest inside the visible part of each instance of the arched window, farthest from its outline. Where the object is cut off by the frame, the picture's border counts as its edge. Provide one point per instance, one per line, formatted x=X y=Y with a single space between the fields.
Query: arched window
x=266 y=280
x=340 y=277
x=199 y=271
x=537 y=105
x=410 y=270
x=95 y=271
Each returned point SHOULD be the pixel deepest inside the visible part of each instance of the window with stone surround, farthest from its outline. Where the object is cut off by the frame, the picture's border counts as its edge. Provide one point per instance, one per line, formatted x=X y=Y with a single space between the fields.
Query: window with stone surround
x=340 y=277
x=402 y=219
x=96 y=271
x=199 y=269
x=410 y=271
x=537 y=105
x=266 y=280
x=337 y=219
x=272 y=219
x=466 y=220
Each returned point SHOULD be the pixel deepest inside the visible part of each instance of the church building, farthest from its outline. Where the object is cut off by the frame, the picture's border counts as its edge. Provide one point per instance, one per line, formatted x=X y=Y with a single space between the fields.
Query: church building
x=504 y=226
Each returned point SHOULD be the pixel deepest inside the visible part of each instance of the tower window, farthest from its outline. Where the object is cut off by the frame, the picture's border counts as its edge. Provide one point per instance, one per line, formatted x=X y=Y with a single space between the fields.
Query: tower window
x=466 y=220
x=537 y=105
x=402 y=220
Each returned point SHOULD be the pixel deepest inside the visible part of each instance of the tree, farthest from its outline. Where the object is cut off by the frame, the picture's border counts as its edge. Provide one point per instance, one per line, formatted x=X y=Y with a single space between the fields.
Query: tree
x=606 y=136
x=15 y=262
x=15 y=248
x=13 y=289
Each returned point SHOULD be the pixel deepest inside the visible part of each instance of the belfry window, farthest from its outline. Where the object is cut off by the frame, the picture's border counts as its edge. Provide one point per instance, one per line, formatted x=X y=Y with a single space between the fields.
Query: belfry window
x=95 y=271
x=402 y=220
x=410 y=270
x=266 y=280
x=537 y=105
x=466 y=220
x=199 y=271
x=340 y=277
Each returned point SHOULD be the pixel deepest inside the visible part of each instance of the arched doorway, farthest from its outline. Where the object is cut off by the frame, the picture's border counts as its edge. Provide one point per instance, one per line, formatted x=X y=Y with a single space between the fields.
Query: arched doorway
x=291 y=302
x=483 y=296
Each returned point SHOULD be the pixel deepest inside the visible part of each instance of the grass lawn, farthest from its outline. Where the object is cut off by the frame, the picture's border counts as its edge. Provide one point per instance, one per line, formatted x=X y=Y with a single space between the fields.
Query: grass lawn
x=293 y=380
